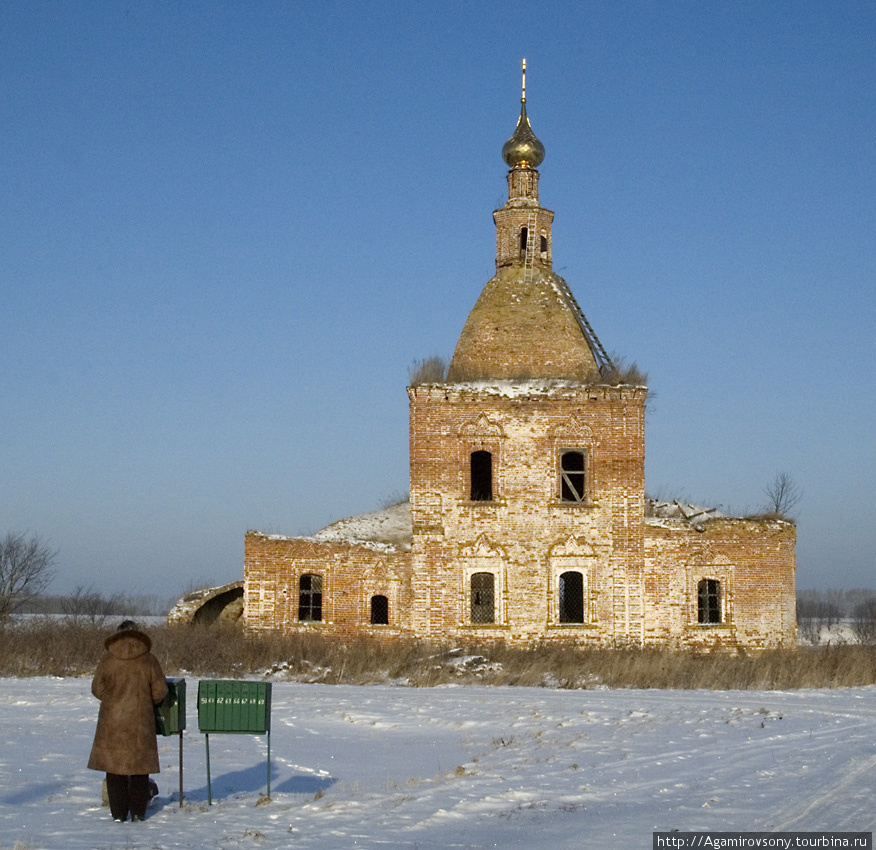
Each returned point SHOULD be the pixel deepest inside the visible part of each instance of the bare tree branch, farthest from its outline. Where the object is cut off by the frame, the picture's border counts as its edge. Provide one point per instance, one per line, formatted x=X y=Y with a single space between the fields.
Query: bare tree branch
x=783 y=494
x=26 y=568
x=86 y=606
x=864 y=621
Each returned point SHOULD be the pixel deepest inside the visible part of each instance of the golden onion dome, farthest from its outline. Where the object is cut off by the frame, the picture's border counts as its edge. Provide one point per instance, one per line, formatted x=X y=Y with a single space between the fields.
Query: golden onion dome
x=523 y=149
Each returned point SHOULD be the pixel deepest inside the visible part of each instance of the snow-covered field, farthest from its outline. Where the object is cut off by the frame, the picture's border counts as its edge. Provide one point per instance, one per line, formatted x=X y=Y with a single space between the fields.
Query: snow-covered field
x=454 y=767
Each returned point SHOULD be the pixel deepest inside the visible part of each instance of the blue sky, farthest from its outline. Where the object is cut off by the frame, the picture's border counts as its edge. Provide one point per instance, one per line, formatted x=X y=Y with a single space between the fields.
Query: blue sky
x=228 y=230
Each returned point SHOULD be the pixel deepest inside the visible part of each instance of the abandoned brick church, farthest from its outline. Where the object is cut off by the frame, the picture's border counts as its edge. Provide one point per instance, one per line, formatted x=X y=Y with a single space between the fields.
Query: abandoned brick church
x=527 y=518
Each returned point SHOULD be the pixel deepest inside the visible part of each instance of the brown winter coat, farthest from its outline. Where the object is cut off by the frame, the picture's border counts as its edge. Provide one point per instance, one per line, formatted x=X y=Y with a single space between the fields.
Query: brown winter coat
x=128 y=683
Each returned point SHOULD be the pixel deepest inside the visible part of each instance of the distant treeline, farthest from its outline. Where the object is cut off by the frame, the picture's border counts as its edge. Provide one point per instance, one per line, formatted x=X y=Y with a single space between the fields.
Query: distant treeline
x=89 y=605
x=821 y=613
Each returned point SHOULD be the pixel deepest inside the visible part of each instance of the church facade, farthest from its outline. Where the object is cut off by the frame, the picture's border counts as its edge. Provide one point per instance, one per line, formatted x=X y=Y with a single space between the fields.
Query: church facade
x=527 y=518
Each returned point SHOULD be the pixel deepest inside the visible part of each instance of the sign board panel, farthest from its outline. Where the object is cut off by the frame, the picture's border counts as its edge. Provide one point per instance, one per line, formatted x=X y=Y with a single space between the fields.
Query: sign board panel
x=242 y=708
x=234 y=707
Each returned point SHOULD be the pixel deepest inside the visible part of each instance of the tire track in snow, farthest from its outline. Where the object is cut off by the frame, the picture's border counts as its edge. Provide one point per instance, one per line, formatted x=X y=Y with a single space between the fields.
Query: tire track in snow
x=858 y=775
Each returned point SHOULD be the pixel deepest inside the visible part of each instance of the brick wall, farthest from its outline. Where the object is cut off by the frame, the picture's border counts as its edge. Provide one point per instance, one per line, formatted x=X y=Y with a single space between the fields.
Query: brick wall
x=638 y=580
x=350 y=575
x=526 y=535
x=754 y=562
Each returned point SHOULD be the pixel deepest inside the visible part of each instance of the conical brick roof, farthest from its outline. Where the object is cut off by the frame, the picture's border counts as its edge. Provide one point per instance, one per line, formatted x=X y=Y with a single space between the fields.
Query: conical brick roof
x=523 y=326
x=526 y=325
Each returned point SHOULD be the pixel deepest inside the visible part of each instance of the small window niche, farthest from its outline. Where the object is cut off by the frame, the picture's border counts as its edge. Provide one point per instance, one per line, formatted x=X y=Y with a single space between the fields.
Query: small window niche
x=379 y=610
x=483 y=598
x=481 y=474
x=573 y=476
x=709 y=602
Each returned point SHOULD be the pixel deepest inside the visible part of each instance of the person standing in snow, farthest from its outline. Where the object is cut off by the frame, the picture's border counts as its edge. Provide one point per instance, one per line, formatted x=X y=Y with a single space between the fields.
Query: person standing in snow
x=128 y=682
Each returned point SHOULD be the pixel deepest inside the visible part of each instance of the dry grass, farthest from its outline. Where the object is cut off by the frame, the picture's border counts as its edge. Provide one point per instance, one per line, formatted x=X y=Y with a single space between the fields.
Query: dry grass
x=436 y=370
x=45 y=647
x=50 y=647
x=623 y=373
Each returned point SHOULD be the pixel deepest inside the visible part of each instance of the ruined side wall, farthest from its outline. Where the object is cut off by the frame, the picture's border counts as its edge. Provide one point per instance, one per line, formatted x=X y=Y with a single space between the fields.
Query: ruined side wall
x=755 y=564
x=350 y=574
x=223 y=604
x=526 y=535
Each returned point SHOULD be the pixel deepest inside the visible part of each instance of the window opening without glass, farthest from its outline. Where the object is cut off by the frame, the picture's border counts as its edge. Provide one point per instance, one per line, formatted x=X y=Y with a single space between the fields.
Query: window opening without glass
x=379 y=611
x=481 y=476
x=573 y=476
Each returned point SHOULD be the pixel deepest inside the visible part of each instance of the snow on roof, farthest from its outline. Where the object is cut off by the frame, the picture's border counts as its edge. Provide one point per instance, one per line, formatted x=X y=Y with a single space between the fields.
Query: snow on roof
x=673 y=514
x=388 y=529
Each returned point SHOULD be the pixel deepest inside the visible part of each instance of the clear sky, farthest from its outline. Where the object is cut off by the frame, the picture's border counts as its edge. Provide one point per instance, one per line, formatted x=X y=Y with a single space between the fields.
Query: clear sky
x=229 y=228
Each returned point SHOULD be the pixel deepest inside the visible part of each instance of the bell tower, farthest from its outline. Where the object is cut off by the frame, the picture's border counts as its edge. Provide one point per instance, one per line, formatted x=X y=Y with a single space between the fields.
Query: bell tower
x=523 y=226
x=526 y=323
x=527 y=469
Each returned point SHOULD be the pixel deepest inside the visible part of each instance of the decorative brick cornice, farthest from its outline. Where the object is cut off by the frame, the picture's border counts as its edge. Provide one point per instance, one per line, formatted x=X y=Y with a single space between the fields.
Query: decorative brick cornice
x=526 y=390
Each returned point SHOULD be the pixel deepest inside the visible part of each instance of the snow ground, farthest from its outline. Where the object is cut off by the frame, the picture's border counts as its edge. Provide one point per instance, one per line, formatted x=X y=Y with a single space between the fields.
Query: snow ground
x=454 y=767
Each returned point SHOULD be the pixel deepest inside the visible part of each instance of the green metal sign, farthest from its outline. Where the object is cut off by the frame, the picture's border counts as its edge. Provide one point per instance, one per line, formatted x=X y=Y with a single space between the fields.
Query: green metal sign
x=234 y=707
x=229 y=707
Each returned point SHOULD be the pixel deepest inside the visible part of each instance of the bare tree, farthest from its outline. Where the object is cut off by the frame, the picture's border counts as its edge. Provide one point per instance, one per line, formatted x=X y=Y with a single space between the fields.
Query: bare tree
x=809 y=606
x=819 y=610
x=86 y=606
x=26 y=568
x=864 y=621
x=783 y=494
x=837 y=606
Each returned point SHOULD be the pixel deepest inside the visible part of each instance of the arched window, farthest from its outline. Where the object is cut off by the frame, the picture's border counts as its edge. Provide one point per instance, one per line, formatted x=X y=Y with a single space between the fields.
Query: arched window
x=571 y=597
x=573 y=475
x=543 y=244
x=379 y=611
x=524 y=238
x=483 y=598
x=709 y=601
x=481 y=476
x=310 y=598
